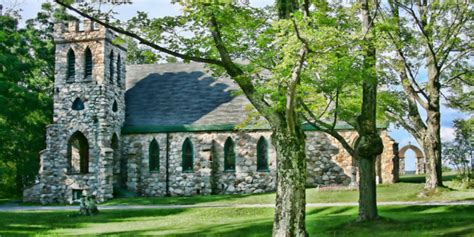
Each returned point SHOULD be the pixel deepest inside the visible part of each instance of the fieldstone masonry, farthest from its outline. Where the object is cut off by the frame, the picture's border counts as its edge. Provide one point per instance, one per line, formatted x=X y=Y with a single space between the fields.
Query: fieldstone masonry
x=96 y=121
x=125 y=162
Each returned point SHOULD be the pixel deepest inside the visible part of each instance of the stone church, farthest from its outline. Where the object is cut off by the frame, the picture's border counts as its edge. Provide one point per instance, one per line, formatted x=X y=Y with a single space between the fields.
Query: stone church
x=164 y=129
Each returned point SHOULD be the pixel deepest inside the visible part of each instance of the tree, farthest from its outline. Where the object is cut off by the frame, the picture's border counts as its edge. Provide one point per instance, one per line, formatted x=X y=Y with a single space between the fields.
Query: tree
x=342 y=86
x=238 y=40
x=460 y=152
x=26 y=76
x=432 y=36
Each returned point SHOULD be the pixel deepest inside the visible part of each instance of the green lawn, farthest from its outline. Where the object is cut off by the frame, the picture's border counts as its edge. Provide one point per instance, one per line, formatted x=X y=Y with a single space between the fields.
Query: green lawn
x=329 y=221
x=4 y=200
x=406 y=190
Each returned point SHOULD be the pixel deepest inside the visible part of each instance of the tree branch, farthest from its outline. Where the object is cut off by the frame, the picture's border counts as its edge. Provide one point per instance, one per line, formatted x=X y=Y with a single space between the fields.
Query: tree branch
x=421 y=26
x=244 y=81
x=300 y=38
x=403 y=122
x=291 y=92
x=326 y=128
x=141 y=39
x=336 y=109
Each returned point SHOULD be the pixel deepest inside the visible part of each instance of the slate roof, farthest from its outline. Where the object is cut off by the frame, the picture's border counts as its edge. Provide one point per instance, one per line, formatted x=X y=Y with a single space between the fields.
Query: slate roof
x=180 y=94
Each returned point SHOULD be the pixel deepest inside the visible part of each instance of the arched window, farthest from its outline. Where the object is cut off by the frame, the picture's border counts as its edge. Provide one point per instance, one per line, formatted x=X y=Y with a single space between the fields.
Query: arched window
x=71 y=65
x=188 y=155
x=111 y=66
x=114 y=144
x=87 y=63
x=115 y=106
x=119 y=69
x=262 y=154
x=154 y=156
x=229 y=155
x=78 y=153
x=77 y=104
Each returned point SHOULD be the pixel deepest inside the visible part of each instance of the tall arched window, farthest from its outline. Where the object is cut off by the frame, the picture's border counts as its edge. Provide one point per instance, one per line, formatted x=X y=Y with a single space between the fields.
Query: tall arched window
x=78 y=153
x=114 y=144
x=188 y=155
x=229 y=154
x=71 y=65
x=154 y=156
x=119 y=69
x=87 y=63
x=111 y=66
x=262 y=154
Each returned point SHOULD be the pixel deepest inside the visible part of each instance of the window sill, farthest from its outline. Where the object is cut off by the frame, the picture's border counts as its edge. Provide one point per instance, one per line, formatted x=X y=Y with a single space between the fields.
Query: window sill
x=188 y=171
x=229 y=171
x=264 y=170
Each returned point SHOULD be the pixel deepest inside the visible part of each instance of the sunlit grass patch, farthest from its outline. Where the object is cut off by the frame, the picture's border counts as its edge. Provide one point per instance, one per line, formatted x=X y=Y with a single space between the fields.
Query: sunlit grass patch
x=325 y=221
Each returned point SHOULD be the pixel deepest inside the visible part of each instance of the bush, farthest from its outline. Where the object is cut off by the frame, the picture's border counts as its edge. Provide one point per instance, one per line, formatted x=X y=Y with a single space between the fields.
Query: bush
x=8 y=186
x=463 y=182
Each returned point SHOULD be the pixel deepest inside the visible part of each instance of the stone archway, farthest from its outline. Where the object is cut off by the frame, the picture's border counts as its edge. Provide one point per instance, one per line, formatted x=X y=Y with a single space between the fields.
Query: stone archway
x=419 y=162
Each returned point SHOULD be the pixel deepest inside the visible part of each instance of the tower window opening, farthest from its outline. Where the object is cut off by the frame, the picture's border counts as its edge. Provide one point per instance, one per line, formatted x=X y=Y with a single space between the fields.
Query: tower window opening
x=88 y=63
x=71 y=65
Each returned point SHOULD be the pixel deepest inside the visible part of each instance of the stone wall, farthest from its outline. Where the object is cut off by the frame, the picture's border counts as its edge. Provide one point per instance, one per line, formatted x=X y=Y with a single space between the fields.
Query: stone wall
x=328 y=163
x=389 y=160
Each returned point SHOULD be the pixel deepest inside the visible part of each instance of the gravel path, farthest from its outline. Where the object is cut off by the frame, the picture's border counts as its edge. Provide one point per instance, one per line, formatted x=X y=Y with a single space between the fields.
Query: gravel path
x=13 y=208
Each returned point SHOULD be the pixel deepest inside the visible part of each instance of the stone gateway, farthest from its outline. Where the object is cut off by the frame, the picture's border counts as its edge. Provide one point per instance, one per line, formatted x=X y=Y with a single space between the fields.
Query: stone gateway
x=164 y=129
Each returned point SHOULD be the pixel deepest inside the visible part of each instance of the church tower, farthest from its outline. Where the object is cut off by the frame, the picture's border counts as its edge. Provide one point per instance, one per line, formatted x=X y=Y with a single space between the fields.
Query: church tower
x=83 y=143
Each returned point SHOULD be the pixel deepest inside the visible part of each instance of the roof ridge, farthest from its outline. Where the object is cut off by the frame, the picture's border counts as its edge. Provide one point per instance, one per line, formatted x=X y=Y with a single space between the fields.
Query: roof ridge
x=163 y=64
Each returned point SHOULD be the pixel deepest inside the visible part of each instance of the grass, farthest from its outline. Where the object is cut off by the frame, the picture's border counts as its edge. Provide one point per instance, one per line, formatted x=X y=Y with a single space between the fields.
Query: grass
x=406 y=190
x=4 y=200
x=329 y=221
x=399 y=220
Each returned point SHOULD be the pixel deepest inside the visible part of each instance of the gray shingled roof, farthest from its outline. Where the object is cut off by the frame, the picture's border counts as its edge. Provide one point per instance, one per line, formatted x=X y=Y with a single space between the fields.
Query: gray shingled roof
x=180 y=94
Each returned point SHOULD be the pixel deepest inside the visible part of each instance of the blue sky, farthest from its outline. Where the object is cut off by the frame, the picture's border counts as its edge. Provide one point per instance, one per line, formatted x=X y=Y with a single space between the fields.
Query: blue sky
x=159 y=8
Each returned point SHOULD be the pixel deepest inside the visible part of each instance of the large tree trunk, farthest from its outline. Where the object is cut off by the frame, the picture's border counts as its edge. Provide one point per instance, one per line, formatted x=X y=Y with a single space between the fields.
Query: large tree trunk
x=432 y=148
x=432 y=138
x=367 y=189
x=369 y=144
x=291 y=179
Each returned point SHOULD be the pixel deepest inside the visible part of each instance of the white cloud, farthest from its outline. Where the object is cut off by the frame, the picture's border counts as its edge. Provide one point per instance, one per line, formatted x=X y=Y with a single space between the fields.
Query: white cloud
x=447 y=134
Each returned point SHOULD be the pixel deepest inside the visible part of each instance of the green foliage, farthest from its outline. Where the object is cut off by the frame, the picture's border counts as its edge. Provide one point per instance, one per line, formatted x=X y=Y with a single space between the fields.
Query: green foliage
x=462 y=90
x=460 y=152
x=441 y=37
x=139 y=55
x=26 y=79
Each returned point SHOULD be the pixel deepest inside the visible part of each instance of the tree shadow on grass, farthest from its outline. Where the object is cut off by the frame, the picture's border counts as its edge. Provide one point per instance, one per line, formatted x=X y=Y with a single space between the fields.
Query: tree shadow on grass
x=324 y=221
x=27 y=223
x=421 y=178
x=404 y=220
x=185 y=200
x=253 y=228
